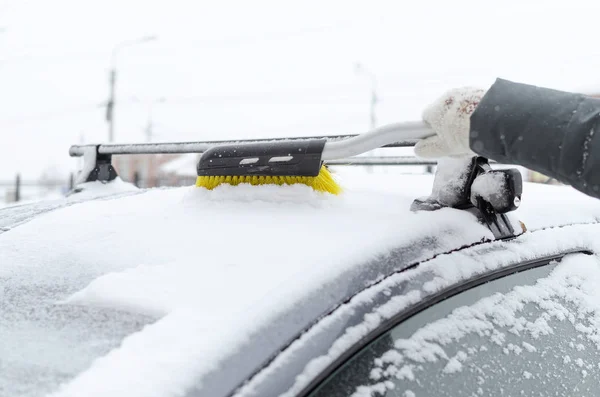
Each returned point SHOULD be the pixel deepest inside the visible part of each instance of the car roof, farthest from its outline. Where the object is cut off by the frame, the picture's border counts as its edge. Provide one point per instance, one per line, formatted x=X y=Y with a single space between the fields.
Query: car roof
x=332 y=340
x=218 y=266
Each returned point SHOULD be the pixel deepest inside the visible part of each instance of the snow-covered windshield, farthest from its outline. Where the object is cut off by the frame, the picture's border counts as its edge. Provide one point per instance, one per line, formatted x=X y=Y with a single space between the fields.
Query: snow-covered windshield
x=532 y=333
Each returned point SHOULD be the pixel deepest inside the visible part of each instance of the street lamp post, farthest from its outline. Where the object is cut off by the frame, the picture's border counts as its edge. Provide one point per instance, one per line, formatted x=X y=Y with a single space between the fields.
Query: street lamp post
x=110 y=105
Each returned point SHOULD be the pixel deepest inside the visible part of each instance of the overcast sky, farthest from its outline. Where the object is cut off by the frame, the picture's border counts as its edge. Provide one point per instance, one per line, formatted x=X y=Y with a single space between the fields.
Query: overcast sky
x=229 y=69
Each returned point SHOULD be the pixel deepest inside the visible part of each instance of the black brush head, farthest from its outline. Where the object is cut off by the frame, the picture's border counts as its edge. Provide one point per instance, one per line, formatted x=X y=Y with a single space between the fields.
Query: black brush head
x=284 y=158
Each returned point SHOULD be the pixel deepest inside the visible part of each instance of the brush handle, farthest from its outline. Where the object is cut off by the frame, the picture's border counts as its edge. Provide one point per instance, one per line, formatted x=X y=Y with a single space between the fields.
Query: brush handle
x=376 y=138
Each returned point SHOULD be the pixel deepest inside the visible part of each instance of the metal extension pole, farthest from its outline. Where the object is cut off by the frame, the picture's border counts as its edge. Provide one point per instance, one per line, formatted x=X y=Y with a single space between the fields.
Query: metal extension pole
x=376 y=138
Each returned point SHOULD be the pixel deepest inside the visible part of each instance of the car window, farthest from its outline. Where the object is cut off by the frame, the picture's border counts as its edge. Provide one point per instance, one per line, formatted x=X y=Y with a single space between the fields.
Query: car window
x=533 y=333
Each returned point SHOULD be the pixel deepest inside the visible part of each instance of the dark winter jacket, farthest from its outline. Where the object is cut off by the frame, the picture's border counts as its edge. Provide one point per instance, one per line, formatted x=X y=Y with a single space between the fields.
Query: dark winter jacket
x=552 y=132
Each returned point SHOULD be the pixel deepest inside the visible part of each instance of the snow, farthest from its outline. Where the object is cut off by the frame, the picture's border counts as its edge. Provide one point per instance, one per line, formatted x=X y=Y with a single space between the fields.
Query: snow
x=96 y=189
x=490 y=187
x=450 y=178
x=530 y=348
x=184 y=256
x=185 y=250
x=85 y=191
x=454 y=364
x=157 y=365
x=446 y=270
x=29 y=194
x=570 y=290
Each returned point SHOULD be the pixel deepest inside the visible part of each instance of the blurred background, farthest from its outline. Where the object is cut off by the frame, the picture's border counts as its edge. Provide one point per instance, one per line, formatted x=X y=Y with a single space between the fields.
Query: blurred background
x=91 y=71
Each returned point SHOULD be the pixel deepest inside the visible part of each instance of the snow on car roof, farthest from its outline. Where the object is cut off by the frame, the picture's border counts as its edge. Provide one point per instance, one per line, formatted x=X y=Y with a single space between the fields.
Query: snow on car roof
x=574 y=280
x=216 y=265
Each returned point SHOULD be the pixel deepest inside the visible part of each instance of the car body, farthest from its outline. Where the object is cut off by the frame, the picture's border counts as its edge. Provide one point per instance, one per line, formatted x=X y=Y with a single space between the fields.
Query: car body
x=268 y=290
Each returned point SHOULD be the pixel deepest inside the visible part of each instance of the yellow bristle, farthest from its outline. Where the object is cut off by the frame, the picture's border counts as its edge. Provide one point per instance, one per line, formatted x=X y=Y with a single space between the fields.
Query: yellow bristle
x=323 y=182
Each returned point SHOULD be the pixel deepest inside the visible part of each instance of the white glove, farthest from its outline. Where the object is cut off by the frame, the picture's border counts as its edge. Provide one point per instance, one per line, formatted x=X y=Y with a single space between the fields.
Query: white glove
x=449 y=116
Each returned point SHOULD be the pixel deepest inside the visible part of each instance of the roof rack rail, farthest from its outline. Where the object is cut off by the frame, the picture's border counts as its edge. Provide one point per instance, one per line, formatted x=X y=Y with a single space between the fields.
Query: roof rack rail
x=203 y=146
x=98 y=167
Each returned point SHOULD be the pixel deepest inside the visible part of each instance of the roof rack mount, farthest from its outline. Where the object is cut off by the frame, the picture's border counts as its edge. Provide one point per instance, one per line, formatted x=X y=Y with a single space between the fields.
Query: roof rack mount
x=502 y=197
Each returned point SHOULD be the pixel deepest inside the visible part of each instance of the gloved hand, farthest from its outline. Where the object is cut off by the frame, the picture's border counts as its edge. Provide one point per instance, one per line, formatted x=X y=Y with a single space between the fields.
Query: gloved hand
x=449 y=117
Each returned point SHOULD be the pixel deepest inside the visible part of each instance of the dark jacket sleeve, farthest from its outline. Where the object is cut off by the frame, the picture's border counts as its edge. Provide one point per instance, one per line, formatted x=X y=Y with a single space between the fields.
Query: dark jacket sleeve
x=552 y=132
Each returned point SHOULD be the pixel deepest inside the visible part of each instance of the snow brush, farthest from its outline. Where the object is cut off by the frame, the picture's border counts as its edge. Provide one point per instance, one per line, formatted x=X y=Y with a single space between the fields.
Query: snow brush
x=298 y=161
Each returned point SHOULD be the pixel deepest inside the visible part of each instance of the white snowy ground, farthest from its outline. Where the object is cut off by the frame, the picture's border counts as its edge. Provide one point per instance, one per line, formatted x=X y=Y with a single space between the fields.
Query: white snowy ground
x=29 y=194
x=187 y=255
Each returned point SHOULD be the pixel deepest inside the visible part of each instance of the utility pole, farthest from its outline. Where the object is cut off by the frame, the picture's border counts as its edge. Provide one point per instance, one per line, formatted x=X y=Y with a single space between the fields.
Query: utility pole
x=110 y=104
